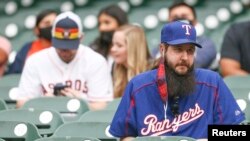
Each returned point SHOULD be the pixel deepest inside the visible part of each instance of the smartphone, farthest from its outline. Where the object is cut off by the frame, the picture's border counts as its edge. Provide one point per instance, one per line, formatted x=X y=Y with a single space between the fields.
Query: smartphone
x=58 y=87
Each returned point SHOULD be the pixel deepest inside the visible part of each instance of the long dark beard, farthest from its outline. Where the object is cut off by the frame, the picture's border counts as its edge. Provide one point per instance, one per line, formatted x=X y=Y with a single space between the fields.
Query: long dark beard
x=179 y=85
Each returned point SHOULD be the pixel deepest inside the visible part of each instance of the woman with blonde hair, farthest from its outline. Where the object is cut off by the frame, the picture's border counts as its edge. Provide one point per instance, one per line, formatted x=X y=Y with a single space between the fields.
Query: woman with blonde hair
x=131 y=56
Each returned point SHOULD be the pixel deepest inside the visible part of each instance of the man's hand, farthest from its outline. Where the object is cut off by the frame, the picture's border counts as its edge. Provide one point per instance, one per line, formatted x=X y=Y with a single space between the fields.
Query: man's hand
x=69 y=92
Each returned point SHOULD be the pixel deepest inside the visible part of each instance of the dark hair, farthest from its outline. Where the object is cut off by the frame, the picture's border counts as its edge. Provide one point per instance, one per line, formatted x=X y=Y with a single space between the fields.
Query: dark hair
x=43 y=14
x=183 y=4
x=116 y=12
x=102 y=44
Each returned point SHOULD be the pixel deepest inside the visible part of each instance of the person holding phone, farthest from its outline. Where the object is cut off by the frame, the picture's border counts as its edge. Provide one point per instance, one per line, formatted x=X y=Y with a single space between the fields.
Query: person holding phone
x=58 y=88
x=82 y=72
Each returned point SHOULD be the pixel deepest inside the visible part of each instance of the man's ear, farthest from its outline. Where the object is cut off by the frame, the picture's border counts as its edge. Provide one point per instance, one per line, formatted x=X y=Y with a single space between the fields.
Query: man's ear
x=162 y=49
x=82 y=37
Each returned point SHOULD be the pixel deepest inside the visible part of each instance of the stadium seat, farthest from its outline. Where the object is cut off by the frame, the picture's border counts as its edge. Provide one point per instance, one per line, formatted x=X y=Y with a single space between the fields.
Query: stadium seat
x=239 y=86
x=239 y=82
x=85 y=129
x=98 y=116
x=113 y=105
x=18 y=131
x=70 y=109
x=3 y=105
x=6 y=84
x=164 y=138
x=68 y=138
x=243 y=99
x=46 y=121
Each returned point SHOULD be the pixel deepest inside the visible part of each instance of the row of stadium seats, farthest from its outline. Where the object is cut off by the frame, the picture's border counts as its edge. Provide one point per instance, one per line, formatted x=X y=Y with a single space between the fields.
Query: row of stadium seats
x=74 y=131
x=239 y=85
x=31 y=124
x=60 y=114
x=151 y=15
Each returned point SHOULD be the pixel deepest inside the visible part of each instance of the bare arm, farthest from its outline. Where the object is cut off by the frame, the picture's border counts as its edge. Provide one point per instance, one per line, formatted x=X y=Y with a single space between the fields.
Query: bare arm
x=19 y=103
x=97 y=105
x=127 y=139
x=231 y=67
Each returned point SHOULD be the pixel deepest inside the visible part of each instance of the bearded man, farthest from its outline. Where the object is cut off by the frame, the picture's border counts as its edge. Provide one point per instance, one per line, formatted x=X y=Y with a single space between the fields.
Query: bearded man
x=175 y=99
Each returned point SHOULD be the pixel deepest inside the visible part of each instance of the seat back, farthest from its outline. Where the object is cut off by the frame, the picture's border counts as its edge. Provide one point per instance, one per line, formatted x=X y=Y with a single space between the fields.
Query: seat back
x=18 y=131
x=240 y=88
x=239 y=82
x=3 y=105
x=98 y=130
x=8 y=82
x=242 y=97
x=46 y=121
x=68 y=138
x=70 y=109
x=164 y=138
x=98 y=116
x=113 y=105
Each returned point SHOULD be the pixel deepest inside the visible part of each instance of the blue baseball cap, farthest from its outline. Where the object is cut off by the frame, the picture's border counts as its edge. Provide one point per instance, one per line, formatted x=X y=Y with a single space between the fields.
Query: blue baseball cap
x=66 y=31
x=177 y=32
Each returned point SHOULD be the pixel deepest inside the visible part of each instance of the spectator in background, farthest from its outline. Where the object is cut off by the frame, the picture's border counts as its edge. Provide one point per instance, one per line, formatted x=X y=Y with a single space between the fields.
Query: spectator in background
x=131 y=56
x=235 y=58
x=83 y=72
x=205 y=56
x=5 y=49
x=42 y=30
x=109 y=19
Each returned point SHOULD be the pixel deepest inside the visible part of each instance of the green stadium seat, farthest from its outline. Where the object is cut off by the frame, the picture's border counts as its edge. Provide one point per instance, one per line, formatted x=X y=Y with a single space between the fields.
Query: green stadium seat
x=68 y=138
x=18 y=131
x=243 y=99
x=85 y=129
x=98 y=116
x=46 y=121
x=6 y=84
x=239 y=86
x=113 y=105
x=70 y=109
x=239 y=82
x=3 y=105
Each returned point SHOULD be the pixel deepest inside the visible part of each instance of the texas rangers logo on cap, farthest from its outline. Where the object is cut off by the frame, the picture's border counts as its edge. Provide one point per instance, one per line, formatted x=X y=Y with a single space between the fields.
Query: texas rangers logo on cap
x=177 y=32
x=187 y=27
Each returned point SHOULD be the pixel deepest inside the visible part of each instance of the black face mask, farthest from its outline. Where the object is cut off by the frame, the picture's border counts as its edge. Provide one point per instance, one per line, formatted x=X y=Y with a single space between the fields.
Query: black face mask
x=106 y=38
x=45 y=33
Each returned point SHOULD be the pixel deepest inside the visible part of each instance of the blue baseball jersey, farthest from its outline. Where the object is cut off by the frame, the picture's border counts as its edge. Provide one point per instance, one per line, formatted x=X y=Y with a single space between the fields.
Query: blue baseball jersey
x=141 y=111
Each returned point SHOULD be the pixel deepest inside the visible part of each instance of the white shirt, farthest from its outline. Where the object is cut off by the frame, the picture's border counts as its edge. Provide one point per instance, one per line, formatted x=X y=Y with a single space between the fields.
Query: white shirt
x=88 y=72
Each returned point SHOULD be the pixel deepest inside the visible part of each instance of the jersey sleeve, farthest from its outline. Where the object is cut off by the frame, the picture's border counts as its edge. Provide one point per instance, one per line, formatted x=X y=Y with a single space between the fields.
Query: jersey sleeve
x=99 y=82
x=124 y=121
x=226 y=109
x=29 y=85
